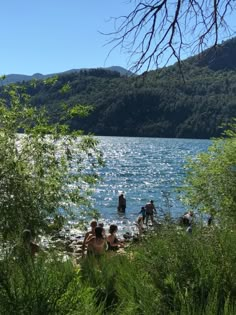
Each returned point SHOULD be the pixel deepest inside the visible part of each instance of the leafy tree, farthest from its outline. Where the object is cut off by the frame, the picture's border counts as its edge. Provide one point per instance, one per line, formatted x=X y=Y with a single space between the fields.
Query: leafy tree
x=211 y=178
x=45 y=170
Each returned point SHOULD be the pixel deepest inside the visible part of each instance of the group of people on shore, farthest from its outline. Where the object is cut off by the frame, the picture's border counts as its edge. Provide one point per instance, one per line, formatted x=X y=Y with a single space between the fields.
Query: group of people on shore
x=96 y=242
x=187 y=220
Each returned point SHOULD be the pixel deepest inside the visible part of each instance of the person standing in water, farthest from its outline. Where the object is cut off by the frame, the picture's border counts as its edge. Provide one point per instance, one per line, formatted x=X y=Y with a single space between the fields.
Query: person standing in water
x=150 y=209
x=143 y=213
x=121 y=203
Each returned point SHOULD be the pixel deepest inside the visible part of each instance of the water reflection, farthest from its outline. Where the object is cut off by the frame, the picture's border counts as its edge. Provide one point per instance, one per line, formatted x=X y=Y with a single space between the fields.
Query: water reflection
x=144 y=168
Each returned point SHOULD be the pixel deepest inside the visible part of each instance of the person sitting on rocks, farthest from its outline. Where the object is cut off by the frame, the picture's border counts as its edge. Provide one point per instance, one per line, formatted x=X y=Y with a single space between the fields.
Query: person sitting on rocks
x=96 y=244
x=93 y=225
x=112 y=241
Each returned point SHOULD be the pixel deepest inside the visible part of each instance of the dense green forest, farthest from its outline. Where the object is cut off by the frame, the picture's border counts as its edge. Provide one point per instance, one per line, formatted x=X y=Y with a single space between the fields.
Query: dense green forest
x=187 y=102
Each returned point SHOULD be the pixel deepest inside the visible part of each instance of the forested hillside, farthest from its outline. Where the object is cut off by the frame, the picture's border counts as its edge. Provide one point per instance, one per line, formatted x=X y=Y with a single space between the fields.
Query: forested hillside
x=161 y=103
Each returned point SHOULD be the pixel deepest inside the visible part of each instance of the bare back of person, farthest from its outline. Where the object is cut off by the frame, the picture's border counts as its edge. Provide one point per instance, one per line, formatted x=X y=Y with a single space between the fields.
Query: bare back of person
x=96 y=246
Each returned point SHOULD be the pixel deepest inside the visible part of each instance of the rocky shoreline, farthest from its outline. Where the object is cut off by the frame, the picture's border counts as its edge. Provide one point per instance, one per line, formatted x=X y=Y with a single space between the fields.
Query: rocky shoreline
x=68 y=242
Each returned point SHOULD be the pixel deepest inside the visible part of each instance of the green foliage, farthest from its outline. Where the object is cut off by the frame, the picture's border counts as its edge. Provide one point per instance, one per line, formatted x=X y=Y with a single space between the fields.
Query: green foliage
x=44 y=169
x=80 y=110
x=190 y=269
x=42 y=287
x=120 y=285
x=49 y=81
x=157 y=103
x=78 y=299
x=211 y=178
x=169 y=273
x=66 y=88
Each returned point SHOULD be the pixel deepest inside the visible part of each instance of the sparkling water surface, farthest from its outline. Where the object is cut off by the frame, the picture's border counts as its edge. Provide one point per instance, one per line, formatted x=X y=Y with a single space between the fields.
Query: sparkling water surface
x=144 y=169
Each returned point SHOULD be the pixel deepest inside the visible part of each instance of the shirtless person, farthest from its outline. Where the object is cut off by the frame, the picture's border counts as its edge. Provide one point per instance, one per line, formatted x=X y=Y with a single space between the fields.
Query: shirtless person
x=93 y=225
x=96 y=244
x=150 y=209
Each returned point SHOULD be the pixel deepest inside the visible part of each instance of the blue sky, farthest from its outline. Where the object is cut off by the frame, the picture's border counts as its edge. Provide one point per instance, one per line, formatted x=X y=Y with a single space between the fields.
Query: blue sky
x=50 y=36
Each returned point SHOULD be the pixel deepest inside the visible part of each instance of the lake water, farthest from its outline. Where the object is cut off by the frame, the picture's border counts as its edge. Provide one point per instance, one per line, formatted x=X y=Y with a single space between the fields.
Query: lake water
x=144 y=169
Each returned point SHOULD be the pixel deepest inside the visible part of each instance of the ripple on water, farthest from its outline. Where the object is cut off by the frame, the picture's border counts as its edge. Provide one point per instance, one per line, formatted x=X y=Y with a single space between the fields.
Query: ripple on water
x=144 y=168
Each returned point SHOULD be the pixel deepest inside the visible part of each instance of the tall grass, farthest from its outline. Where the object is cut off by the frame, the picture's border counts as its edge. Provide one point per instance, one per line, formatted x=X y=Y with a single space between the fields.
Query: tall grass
x=168 y=272
x=40 y=286
x=171 y=272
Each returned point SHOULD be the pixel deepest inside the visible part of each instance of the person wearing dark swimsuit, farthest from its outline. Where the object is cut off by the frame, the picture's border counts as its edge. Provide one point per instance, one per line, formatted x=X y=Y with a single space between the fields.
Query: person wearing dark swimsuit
x=121 y=203
x=112 y=241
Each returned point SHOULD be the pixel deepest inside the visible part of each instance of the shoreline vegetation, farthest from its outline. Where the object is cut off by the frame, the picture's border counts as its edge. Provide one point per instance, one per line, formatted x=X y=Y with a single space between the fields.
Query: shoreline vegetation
x=167 y=271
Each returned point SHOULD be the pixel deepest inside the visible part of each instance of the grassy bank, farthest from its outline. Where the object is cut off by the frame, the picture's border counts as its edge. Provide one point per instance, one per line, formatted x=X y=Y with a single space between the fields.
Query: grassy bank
x=170 y=272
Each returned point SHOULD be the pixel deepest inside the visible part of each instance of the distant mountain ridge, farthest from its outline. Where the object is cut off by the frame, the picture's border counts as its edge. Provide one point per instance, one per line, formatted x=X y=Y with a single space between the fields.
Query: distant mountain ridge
x=157 y=103
x=18 y=78
x=221 y=57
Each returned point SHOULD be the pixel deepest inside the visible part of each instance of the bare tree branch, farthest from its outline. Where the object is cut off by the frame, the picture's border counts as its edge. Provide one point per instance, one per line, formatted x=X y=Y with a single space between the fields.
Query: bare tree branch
x=157 y=31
